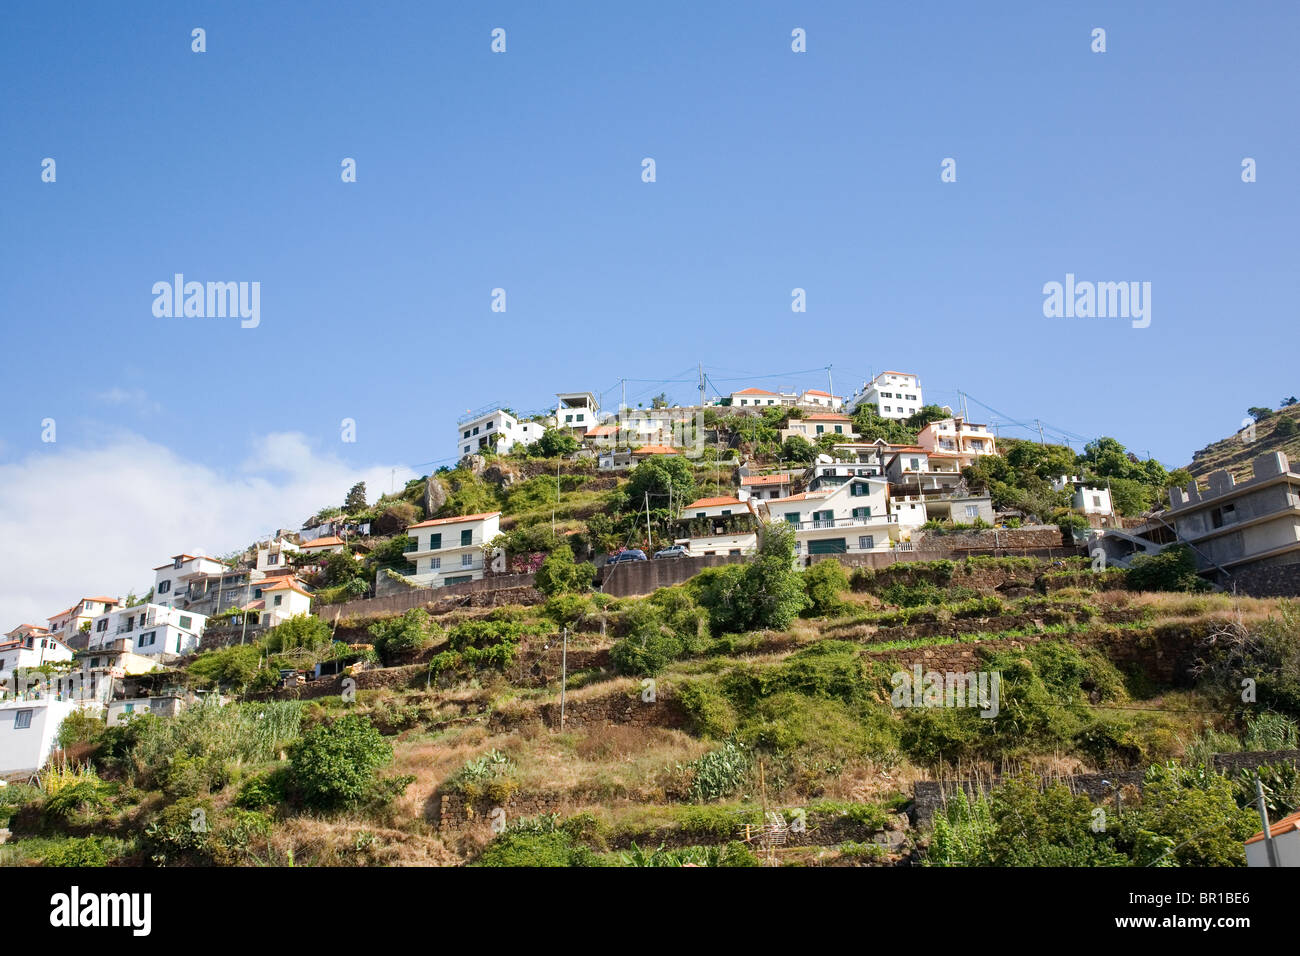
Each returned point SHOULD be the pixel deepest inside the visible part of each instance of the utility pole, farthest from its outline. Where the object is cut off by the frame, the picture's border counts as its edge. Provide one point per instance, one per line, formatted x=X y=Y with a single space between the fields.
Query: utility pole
x=556 y=504
x=648 y=537
x=1041 y=439
x=701 y=385
x=830 y=383
x=622 y=405
x=564 y=674
x=1269 y=845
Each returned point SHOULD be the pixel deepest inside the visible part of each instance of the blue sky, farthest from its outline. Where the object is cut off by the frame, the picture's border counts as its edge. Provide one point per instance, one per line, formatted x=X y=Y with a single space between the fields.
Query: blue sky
x=521 y=170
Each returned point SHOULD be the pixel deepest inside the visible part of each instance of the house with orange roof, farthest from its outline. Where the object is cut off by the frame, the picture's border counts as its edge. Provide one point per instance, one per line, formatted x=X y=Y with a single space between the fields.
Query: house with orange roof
x=31 y=649
x=718 y=525
x=1286 y=841
x=277 y=599
x=70 y=621
x=150 y=630
x=452 y=550
x=325 y=544
x=762 y=398
x=965 y=442
x=815 y=396
x=815 y=424
x=173 y=582
x=850 y=517
x=276 y=553
x=766 y=486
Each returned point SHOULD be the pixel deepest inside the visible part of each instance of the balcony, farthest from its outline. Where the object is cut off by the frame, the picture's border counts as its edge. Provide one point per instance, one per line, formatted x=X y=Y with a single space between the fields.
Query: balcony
x=823 y=523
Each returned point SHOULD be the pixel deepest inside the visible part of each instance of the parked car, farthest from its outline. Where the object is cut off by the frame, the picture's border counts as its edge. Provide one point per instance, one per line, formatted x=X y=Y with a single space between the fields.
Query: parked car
x=631 y=554
x=673 y=551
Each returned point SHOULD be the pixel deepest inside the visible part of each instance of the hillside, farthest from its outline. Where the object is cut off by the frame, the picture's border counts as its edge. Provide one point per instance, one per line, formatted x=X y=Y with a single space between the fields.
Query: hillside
x=1235 y=454
x=689 y=711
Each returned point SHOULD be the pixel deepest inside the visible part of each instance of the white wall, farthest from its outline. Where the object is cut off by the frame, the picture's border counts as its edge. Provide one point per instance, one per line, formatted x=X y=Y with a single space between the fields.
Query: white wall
x=25 y=750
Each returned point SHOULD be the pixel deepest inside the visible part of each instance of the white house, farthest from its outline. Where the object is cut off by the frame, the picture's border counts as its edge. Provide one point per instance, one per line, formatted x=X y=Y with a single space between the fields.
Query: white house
x=1084 y=497
x=577 y=411
x=31 y=651
x=320 y=547
x=278 y=599
x=761 y=398
x=171 y=581
x=495 y=430
x=1286 y=840
x=450 y=550
x=150 y=630
x=815 y=396
x=719 y=536
x=853 y=516
x=895 y=395
x=719 y=507
x=68 y=623
x=28 y=732
x=273 y=555
x=907 y=511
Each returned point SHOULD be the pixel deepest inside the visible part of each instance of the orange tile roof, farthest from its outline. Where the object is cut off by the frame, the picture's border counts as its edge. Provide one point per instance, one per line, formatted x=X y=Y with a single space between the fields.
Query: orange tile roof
x=818 y=391
x=107 y=600
x=600 y=431
x=326 y=541
x=753 y=391
x=825 y=417
x=714 y=502
x=656 y=450
x=1279 y=827
x=254 y=606
x=454 y=520
x=802 y=496
x=765 y=480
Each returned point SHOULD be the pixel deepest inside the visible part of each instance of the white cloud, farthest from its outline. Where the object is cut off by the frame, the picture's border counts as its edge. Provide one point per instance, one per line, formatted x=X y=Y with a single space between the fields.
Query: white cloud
x=79 y=522
x=136 y=398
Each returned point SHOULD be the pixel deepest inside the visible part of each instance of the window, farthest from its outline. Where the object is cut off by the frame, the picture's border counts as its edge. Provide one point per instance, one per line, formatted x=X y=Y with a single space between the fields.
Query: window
x=466 y=435
x=466 y=537
x=726 y=511
x=1096 y=501
x=273 y=558
x=186 y=622
x=475 y=429
x=820 y=429
x=866 y=542
x=101 y=625
x=700 y=514
x=178 y=562
x=279 y=599
x=435 y=541
x=94 y=662
x=859 y=489
x=129 y=709
x=487 y=427
x=147 y=640
x=466 y=560
x=467 y=449
x=734 y=551
x=792 y=517
x=862 y=512
x=915 y=464
x=178 y=643
x=972 y=511
x=839 y=429
x=22 y=719
x=435 y=564
x=568 y=418
x=164 y=587
x=257 y=594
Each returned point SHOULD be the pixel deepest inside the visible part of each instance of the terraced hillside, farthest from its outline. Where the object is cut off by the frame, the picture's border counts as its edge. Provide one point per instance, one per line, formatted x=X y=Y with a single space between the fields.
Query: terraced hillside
x=681 y=723
x=1235 y=453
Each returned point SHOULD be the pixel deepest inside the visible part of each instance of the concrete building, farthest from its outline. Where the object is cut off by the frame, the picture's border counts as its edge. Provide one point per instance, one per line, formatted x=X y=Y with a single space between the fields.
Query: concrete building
x=577 y=411
x=815 y=396
x=275 y=600
x=494 y=429
x=766 y=486
x=33 y=650
x=165 y=705
x=762 y=398
x=1084 y=497
x=894 y=395
x=1252 y=524
x=451 y=550
x=273 y=556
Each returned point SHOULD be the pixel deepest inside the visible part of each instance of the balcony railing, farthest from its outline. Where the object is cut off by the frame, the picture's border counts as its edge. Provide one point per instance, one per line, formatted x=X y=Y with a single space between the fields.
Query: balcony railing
x=820 y=523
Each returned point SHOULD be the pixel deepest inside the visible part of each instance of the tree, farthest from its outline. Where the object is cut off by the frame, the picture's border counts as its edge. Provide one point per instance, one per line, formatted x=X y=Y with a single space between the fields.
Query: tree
x=660 y=401
x=1259 y=412
x=302 y=630
x=559 y=573
x=356 y=499
x=926 y=414
x=1132 y=497
x=655 y=476
x=1108 y=458
x=1173 y=569
x=1289 y=401
x=766 y=593
x=1286 y=428
x=796 y=448
x=333 y=765
x=553 y=444
x=396 y=636
x=234 y=666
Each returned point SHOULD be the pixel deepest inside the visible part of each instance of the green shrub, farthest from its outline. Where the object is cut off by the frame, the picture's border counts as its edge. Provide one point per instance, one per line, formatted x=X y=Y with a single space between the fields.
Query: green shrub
x=718 y=773
x=553 y=848
x=560 y=574
x=264 y=791
x=823 y=584
x=396 y=637
x=1173 y=569
x=76 y=851
x=334 y=765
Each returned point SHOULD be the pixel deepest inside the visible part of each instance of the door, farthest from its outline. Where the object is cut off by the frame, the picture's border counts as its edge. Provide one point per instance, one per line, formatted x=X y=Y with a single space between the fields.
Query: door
x=828 y=546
